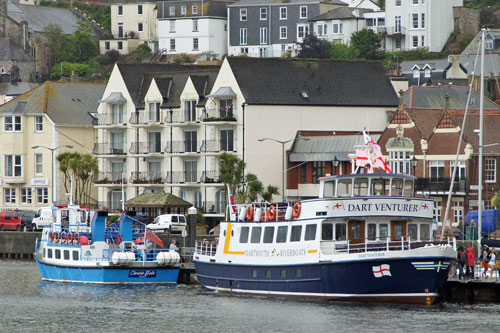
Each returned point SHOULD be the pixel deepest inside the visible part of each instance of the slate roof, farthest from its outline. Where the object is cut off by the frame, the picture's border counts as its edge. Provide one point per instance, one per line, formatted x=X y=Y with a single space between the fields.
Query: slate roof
x=342 y=13
x=65 y=103
x=433 y=97
x=17 y=88
x=277 y=81
x=473 y=48
x=213 y=8
x=278 y=2
x=9 y=50
x=157 y=200
x=491 y=64
x=39 y=17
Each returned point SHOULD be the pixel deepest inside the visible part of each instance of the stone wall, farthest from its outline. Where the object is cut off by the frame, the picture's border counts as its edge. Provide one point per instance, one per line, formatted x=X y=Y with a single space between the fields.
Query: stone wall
x=490 y=17
x=467 y=20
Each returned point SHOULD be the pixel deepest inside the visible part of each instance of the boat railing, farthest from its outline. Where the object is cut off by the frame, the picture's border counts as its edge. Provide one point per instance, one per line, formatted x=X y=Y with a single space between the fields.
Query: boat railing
x=405 y=243
x=206 y=248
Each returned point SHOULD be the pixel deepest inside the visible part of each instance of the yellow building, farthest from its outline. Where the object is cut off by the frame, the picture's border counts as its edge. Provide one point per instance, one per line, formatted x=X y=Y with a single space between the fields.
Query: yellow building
x=35 y=127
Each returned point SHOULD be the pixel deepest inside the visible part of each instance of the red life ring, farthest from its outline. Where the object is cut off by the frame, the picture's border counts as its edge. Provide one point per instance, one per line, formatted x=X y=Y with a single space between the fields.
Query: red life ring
x=271 y=213
x=77 y=238
x=296 y=210
x=63 y=236
x=51 y=236
x=69 y=237
x=56 y=237
x=250 y=213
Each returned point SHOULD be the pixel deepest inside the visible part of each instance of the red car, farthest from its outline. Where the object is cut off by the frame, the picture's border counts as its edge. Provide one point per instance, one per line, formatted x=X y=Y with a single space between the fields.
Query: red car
x=10 y=220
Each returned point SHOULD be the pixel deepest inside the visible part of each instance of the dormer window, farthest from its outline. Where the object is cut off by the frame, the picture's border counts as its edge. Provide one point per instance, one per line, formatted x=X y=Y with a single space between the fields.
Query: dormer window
x=416 y=73
x=427 y=72
x=489 y=44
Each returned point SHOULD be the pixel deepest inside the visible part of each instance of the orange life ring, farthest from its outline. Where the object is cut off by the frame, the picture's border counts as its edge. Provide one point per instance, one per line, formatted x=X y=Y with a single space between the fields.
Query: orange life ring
x=77 y=238
x=69 y=237
x=296 y=210
x=51 y=236
x=271 y=213
x=56 y=237
x=250 y=213
x=63 y=236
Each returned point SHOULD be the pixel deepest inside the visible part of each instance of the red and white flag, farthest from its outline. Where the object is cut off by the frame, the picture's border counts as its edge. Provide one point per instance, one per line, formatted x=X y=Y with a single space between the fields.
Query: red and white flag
x=382 y=270
x=231 y=201
x=362 y=158
x=379 y=161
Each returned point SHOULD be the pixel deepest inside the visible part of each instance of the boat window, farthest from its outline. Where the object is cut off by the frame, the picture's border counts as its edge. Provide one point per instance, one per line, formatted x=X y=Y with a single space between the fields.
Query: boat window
x=58 y=254
x=298 y=272
x=49 y=253
x=254 y=273
x=244 y=231
x=327 y=231
x=44 y=252
x=340 y=231
x=344 y=188
x=360 y=187
x=310 y=232
x=281 y=234
x=383 y=231
x=296 y=232
x=408 y=189
x=66 y=254
x=75 y=255
x=425 y=232
x=255 y=238
x=283 y=273
x=355 y=227
x=268 y=234
x=380 y=186
x=268 y=273
x=372 y=231
x=397 y=187
x=398 y=231
x=329 y=189
x=413 y=231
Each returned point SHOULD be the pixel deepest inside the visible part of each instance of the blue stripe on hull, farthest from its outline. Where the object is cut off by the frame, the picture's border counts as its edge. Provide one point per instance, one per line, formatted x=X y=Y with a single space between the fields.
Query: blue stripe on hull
x=113 y=275
x=346 y=280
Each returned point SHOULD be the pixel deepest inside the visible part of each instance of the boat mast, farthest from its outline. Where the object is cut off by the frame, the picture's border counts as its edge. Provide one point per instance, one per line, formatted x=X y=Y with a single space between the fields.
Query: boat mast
x=480 y=164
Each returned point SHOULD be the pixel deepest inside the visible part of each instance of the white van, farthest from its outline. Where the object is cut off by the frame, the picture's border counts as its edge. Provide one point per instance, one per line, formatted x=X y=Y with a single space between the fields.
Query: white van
x=164 y=222
x=44 y=217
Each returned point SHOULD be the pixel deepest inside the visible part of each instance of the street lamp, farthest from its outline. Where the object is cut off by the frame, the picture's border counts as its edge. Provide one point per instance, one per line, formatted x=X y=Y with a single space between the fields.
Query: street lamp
x=282 y=143
x=414 y=162
x=335 y=164
x=53 y=169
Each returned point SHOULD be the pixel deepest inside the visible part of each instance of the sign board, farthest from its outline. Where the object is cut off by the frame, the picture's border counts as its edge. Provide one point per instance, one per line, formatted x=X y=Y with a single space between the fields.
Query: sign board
x=184 y=233
x=474 y=187
x=39 y=182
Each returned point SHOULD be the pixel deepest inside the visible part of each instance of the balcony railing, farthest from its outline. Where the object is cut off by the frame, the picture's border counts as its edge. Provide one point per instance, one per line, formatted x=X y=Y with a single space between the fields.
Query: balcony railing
x=179 y=117
x=145 y=148
x=396 y=30
x=111 y=119
x=219 y=114
x=176 y=147
x=214 y=146
x=110 y=178
x=109 y=149
x=186 y=177
x=147 y=177
x=144 y=118
x=210 y=177
x=435 y=185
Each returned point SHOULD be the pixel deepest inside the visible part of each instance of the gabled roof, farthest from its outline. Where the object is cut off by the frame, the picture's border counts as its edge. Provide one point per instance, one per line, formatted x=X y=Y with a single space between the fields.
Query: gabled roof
x=65 y=103
x=170 y=79
x=157 y=200
x=9 y=50
x=342 y=13
x=277 y=81
x=285 y=2
x=39 y=17
x=434 y=64
x=473 y=47
x=491 y=64
x=14 y=89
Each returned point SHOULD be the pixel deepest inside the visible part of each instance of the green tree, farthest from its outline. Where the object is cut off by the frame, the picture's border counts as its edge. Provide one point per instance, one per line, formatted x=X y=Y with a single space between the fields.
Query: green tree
x=270 y=190
x=313 y=47
x=183 y=58
x=84 y=46
x=495 y=201
x=82 y=169
x=343 y=52
x=58 y=43
x=367 y=43
x=231 y=170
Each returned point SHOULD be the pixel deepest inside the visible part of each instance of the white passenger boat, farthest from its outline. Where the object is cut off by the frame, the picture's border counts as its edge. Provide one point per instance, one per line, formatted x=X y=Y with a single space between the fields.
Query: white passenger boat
x=72 y=250
x=366 y=238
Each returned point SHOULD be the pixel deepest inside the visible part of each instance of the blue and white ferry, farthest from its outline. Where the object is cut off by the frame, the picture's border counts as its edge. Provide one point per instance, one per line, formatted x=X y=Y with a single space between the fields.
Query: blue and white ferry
x=366 y=238
x=71 y=250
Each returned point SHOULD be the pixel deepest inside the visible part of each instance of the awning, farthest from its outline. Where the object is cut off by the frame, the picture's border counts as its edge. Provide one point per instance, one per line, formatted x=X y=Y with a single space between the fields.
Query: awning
x=223 y=92
x=115 y=98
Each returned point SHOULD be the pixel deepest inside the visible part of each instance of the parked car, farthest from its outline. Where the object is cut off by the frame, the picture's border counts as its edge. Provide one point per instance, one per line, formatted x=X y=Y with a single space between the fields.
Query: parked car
x=164 y=222
x=26 y=219
x=10 y=220
x=43 y=218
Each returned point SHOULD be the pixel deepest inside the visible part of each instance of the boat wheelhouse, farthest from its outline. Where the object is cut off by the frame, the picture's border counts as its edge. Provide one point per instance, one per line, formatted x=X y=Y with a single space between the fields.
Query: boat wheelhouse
x=366 y=237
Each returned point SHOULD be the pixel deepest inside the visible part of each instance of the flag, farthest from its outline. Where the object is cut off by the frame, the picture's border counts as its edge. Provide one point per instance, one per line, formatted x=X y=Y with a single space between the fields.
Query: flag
x=151 y=236
x=379 y=161
x=362 y=158
x=231 y=200
x=382 y=270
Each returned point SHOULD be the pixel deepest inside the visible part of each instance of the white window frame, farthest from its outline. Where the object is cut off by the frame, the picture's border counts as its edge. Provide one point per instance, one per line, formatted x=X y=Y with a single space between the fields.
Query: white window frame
x=398 y=3
x=171 y=11
x=422 y=20
x=172 y=44
x=283 y=33
x=119 y=10
x=414 y=20
x=339 y=27
x=414 y=41
x=42 y=195
x=14 y=167
x=263 y=13
x=196 y=44
x=458 y=211
x=140 y=26
x=302 y=30
x=303 y=12
x=15 y=122
x=140 y=9
x=489 y=44
x=243 y=14
x=38 y=123
x=263 y=36
x=38 y=164
x=400 y=161
x=9 y=195
x=490 y=170
x=422 y=40
x=438 y=165
x=243 y=36
x=195 y=25
x=436 y=213
x=194 y=10
x=397 y=23
x=283 y=13
x=183 y=10
x=26 y=195
x=171 y=26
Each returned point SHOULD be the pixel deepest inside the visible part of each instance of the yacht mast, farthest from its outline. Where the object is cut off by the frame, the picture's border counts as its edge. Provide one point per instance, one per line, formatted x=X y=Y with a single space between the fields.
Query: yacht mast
x=480 y=164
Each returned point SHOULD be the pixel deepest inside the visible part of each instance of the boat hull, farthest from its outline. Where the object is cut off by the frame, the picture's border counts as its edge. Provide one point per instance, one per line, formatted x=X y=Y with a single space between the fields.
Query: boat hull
x=396 y=280
x=108 y=275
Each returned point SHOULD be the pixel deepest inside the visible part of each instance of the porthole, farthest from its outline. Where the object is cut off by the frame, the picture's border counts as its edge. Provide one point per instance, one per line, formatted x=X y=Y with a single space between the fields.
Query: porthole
x=232 y=233
x=224 y=233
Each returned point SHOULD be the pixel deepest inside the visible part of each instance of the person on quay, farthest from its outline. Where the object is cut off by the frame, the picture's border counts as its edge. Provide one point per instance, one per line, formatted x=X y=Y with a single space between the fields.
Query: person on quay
x=469 y=271
x=461 y=260
x=172 y=246
x=484 y=259
x=493 y=261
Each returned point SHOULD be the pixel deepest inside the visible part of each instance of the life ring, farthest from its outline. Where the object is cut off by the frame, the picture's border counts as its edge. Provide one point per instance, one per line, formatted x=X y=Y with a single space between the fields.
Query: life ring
x=250 y=213
x=51 y=236
x=296 y=210
x=77 y=238
x=63 y=236
x=69 y=237
x=271 y=213
x=56 y=237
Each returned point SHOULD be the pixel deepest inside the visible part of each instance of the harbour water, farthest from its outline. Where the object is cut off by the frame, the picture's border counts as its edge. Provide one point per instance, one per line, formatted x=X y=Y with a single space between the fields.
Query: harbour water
x=29 y=305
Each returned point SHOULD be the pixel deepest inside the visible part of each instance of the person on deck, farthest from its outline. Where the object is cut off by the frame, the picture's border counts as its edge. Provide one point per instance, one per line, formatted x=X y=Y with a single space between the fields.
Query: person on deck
x=139 y=240
x=493 y=262
x=484 y=258
x=469 y=272
x=461 y=260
